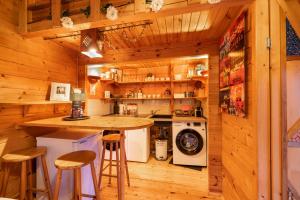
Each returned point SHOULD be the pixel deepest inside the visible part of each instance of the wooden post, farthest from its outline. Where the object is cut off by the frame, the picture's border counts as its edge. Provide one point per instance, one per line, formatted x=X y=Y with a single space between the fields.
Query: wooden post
x=22 y=16
x=278 y=101
x=95 y=9
x=121 y=195
x=214 y=125
x=23 y=185
x=261 y=95
x=56 y=12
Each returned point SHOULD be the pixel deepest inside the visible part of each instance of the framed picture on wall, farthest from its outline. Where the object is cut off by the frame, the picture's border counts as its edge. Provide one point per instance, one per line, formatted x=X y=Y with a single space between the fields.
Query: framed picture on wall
x=60 y=91
x=233 y=69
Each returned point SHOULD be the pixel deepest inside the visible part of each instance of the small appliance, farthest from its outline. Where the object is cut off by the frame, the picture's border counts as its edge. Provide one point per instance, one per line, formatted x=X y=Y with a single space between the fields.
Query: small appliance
x=189 y=143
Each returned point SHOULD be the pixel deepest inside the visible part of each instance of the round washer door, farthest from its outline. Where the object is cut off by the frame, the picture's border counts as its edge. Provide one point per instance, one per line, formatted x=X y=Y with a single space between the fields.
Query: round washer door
x=189 y=142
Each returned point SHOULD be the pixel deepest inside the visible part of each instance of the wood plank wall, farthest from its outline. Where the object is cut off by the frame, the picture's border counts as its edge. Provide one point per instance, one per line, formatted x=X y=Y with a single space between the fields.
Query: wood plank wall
x=27 y=67
x=239 y=139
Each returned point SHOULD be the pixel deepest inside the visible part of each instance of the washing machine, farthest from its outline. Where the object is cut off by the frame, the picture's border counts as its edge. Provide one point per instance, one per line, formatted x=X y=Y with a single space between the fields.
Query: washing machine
x=189 y=143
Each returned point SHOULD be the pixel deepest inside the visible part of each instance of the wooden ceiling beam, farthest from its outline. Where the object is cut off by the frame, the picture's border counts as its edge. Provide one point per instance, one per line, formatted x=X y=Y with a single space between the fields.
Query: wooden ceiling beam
x=133 y=16
x=56 y=12
x=153 y=53
x=95 y=6
x=291 y=10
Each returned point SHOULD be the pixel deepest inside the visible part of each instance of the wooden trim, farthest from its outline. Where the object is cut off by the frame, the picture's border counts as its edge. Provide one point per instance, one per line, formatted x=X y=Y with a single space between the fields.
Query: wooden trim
x=291 y=10
x=131 y=17
x=261 y=96
x=56 y=12
x=22 y=16
x=291 y=58
x=294 y=129
x=278 y=101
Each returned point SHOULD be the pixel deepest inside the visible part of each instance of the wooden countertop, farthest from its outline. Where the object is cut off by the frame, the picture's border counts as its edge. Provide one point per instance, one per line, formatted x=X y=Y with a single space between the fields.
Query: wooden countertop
x=173 y=119
x=188 y=119
x=95 y=122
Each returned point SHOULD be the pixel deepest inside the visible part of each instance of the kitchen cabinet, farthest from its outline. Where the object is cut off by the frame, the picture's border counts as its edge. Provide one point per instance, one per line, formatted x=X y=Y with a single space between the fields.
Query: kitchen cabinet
x=137 y=145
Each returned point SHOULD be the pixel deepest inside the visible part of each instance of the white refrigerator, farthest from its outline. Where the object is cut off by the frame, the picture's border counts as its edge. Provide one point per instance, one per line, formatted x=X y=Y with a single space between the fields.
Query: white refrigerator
x=62 y=142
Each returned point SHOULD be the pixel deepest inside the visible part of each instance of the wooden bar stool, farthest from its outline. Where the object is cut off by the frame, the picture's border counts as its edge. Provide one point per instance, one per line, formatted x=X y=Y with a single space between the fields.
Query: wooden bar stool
x=113 y=140
x=75 y=161
x=25 y=157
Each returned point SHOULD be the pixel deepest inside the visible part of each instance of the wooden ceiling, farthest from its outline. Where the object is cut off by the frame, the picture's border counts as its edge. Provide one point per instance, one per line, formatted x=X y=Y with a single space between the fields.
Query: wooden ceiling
x=208 y=25
x=179 y=22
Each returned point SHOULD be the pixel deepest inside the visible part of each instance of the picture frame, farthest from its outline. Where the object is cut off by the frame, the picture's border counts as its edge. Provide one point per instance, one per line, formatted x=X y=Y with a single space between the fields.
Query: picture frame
x=60 y=91
x=232 y=80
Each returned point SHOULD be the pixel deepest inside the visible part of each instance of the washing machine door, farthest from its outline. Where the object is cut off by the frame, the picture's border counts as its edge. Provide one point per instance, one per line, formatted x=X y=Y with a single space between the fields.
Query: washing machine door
x=189 y=142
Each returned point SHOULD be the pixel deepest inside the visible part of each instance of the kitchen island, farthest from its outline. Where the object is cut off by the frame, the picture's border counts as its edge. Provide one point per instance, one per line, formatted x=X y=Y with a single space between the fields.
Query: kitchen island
x=99 y=123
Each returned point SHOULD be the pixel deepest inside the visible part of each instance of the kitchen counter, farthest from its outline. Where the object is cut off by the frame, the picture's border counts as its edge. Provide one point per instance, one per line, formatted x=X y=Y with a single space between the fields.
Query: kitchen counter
x=188 y=119
x=173 y=119
x=95 y=122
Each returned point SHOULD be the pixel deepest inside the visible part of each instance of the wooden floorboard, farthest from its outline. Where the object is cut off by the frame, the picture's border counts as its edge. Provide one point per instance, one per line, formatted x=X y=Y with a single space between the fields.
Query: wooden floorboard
x=161 y=180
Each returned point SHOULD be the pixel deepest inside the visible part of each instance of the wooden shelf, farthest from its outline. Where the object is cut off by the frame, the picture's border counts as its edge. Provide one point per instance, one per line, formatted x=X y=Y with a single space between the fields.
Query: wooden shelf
x=194 y=78
x=165 y=81
x=27 y=103
x=164 y=98
x=143 y=82
x=187 y=98
x=224 y=89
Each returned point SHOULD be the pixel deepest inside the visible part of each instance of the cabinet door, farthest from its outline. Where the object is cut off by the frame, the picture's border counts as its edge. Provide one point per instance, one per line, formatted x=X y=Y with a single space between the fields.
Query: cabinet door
x=138 y=145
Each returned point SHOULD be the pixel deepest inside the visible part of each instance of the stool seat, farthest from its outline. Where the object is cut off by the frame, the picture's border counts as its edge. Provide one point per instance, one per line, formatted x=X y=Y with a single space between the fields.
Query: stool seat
x=111 y=138
x=76 y=159
x=26 y=158
x=24 y=154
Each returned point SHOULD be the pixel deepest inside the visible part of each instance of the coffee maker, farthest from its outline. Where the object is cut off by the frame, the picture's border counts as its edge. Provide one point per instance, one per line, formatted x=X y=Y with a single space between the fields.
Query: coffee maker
x=199 y=110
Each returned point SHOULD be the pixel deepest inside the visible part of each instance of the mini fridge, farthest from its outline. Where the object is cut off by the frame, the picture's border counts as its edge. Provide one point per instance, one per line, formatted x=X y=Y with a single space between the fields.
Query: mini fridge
x=62 y=142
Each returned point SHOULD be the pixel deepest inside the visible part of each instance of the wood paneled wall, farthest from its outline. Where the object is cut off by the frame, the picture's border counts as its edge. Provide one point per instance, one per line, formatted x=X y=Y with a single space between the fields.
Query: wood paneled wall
x=239 y=139
x=27 y=67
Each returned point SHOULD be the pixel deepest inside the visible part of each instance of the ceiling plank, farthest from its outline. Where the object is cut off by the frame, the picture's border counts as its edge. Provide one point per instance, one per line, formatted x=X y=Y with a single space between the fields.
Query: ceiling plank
x=130 y=17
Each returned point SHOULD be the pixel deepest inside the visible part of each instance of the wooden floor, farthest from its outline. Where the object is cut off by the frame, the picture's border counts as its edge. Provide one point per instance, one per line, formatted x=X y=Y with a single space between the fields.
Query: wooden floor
x=161 y=180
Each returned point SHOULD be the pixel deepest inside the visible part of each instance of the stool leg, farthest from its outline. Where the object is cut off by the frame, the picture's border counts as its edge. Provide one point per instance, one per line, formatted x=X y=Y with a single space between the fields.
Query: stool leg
x=23 y=181
x=93 y=171
x=110 y=161
x=118 y=168
x=75 y=184
x=78 y=183
x=57 y=184
x=5 y=179
x=101 y=165
x=30 y=180
x=122 y=166
x=127 y=173
x=46 y=177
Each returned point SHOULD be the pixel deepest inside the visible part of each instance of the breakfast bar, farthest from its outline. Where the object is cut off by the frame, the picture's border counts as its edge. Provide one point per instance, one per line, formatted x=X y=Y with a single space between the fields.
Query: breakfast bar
x=99 y=123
